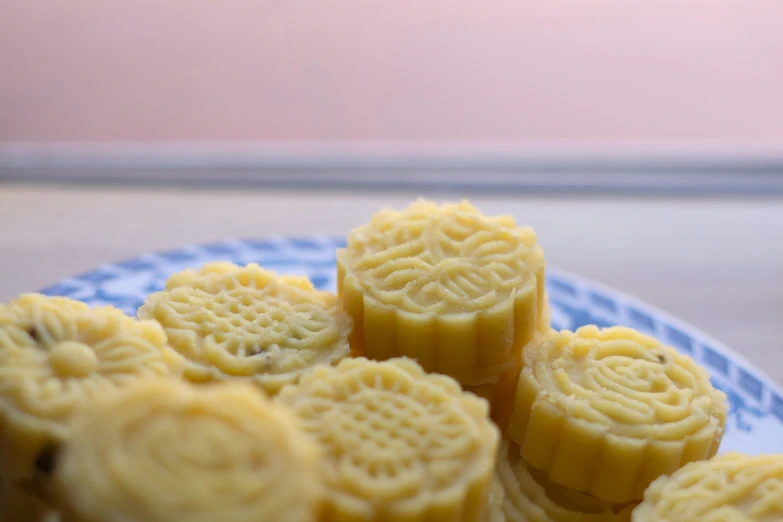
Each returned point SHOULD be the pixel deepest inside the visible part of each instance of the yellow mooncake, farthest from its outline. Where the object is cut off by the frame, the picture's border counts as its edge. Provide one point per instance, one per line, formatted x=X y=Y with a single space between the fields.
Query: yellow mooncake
x=500 y=392
x=459 y=292
x=493 y=511
x=545 y=319
x=500 y=395
x=54 y=354
x=164 y=451
x=246 y=322
x=728 y=488
x=609 y=411
x=529 y=495
x=400 y=445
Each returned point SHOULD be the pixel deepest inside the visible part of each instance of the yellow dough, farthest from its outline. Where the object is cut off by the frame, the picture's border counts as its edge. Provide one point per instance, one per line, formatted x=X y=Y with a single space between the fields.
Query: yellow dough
x=459 y=292
x=545 y=317
x=500 y=395
x=493 y=511
x=401 y=445
x=167 y=451
x=247 y=322
x=54 y=354
x=609 y=411
x=531 y=497
x=728 y=488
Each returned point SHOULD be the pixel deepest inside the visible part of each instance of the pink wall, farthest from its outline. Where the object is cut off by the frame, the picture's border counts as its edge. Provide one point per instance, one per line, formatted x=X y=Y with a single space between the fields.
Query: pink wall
x=390 y=69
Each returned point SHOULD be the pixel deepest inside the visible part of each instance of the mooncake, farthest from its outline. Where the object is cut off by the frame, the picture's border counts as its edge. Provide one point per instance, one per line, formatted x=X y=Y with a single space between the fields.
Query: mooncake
x=163 y=451
x=728 y=488
x=459 y=292
x=54 y=354
x=500 y=395
x=609 y=411
x=493 y=510
x=400 y=445
x=529 y=496
x=246 y=322
x=545 y=318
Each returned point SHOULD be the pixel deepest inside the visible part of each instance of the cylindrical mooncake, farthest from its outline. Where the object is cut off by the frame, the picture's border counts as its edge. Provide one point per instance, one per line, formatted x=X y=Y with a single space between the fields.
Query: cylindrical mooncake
x=529 y=495
x=728 y=488
x=493 y=510
x=545 y=318
x=459 y=292
x=246 y=322
x=500 y=395
x=54 y=354
x=168 y=451
x=400 y=445
x=609 y=411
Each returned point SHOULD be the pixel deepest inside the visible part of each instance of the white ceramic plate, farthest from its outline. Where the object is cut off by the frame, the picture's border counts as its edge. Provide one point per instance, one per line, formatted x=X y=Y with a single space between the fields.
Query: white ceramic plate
x=755 y=422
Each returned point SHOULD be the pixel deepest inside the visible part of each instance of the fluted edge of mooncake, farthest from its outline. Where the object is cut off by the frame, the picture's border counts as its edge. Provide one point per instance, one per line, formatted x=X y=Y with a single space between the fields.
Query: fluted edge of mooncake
x=574 y=387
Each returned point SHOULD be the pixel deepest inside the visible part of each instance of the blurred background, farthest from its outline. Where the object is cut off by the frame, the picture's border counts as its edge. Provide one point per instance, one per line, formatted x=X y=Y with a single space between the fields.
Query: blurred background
x=642 y=139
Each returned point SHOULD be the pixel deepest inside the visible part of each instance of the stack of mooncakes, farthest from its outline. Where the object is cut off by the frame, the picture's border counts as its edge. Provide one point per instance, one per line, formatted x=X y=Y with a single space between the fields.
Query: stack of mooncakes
x=598 y=415
x=459 y=292
x=245 y=396
x=595 y=415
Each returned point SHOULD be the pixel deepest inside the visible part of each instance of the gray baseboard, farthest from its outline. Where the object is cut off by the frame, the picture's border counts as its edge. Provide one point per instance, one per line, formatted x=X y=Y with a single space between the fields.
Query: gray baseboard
x=641 y=169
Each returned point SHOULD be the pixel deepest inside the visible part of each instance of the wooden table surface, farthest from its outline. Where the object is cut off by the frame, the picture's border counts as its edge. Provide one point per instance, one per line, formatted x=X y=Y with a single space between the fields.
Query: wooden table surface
x=717 y=264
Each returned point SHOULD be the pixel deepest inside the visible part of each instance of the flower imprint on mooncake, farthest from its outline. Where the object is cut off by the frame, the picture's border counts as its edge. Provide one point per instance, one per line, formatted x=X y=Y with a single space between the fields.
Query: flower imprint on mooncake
x=55 y=353
x=607 y=411
x=730 y=487
x=400 y=444
x=166 y=450
x=246 y=322
x=458 y=291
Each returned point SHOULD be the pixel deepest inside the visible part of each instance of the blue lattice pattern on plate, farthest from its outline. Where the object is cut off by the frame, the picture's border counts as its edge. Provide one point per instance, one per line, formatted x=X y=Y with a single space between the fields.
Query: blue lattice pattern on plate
x=756 y=406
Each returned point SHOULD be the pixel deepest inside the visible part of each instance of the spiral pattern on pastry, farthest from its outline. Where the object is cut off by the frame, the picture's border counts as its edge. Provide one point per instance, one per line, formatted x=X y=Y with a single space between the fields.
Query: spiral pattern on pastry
x=730 y=487
x=460 y=292
x=609 y=411
x=529 y=496
x=401 y=445
x=247 y=322
x=160 y=451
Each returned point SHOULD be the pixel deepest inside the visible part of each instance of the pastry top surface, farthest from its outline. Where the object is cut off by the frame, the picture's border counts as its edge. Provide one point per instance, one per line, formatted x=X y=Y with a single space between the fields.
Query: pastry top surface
x=624 y=382
x=730 y=487
x=393 y=434
x=247 y=321
x=449 y=258
x=56 y=352
x=166 y=450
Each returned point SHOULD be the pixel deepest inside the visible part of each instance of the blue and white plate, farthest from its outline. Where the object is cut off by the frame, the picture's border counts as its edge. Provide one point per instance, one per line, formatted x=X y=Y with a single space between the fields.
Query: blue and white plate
x=755 y=422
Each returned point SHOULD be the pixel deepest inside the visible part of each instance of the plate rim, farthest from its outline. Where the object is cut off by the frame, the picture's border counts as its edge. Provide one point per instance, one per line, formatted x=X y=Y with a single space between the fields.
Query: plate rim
x=554 y=270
